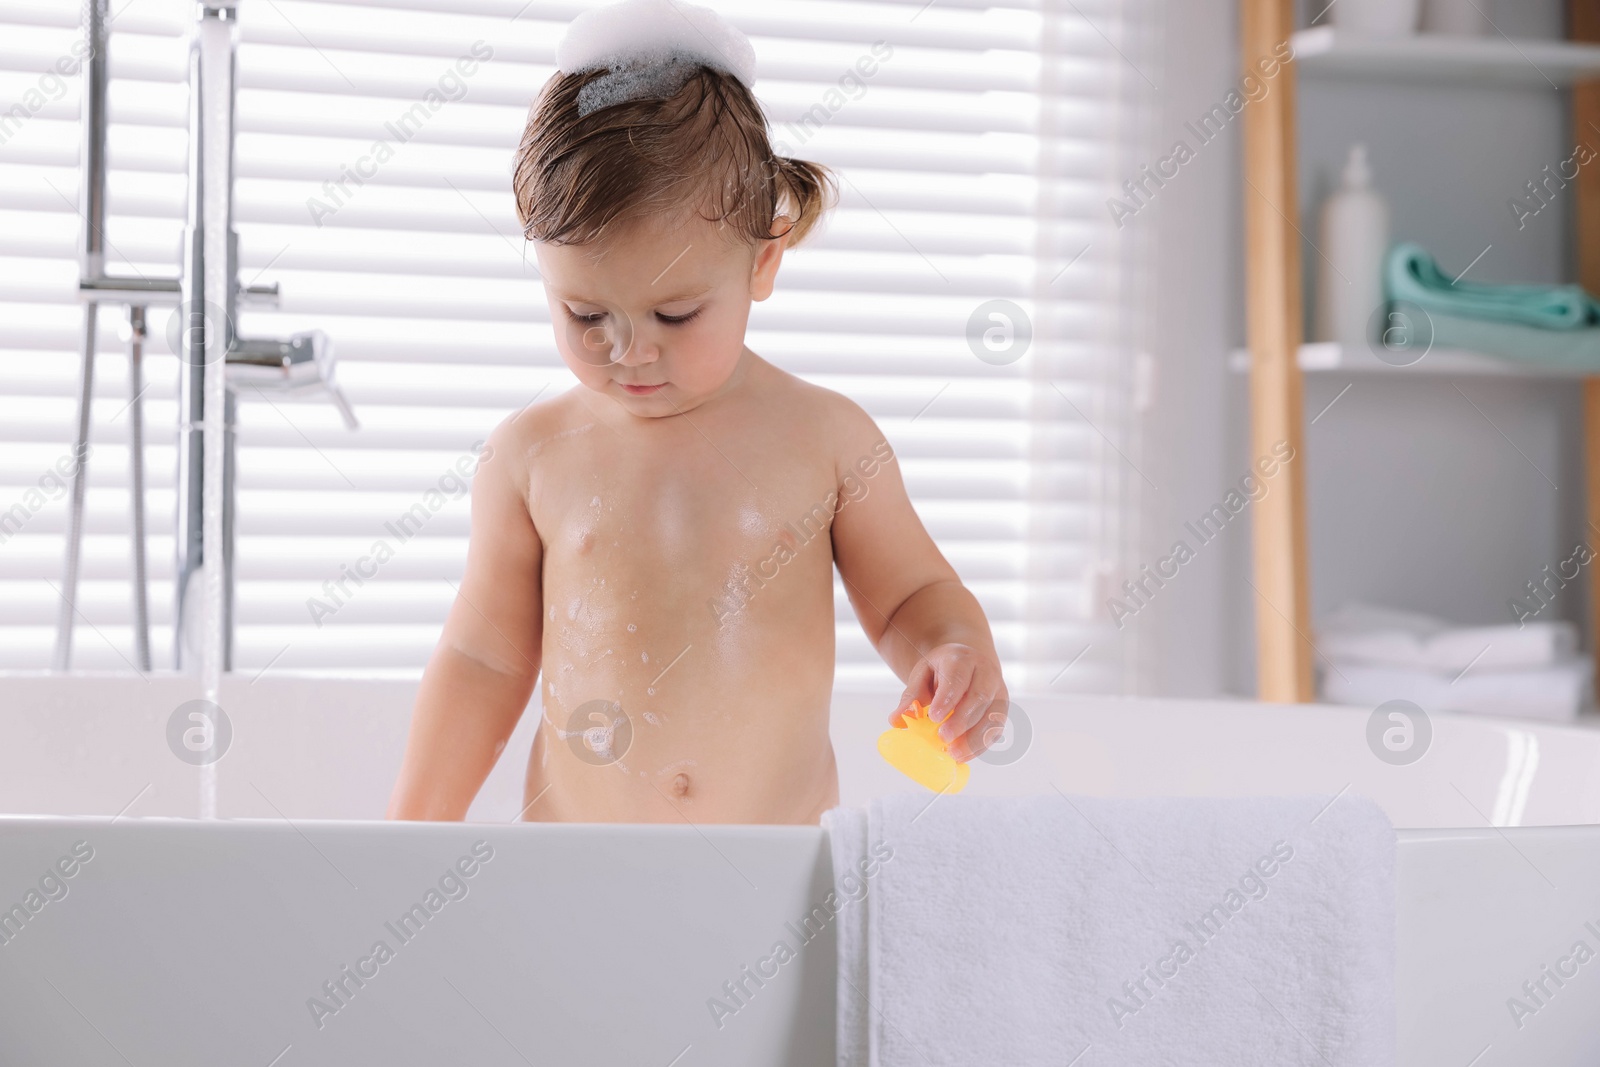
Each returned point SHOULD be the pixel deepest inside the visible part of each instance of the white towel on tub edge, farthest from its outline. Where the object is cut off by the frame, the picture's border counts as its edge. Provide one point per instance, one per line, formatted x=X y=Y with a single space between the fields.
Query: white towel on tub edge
x=1110 y=932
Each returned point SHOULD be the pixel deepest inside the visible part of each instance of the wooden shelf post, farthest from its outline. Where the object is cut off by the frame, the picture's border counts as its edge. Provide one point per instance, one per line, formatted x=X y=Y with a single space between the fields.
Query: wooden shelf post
x=1276 y=327
x=1584 y=25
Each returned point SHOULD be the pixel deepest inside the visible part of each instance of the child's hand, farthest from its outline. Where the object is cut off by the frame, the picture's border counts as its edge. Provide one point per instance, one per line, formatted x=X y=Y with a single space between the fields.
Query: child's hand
x=962 y=689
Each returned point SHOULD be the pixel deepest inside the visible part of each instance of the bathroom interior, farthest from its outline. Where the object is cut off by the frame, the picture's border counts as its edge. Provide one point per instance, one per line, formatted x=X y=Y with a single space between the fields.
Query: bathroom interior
x=1242 y=358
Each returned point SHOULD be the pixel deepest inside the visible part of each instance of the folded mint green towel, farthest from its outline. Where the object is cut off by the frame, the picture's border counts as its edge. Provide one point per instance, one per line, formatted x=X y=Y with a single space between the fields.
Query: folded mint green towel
x=1412 y=275
x=1574 y=351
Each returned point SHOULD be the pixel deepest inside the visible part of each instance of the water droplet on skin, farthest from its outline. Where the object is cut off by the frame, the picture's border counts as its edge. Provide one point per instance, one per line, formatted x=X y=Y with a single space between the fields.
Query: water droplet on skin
x=595 y=502
x=650 y=717
x=644 y=657
x=633 y=627
x=552 y=613
x=651 y=690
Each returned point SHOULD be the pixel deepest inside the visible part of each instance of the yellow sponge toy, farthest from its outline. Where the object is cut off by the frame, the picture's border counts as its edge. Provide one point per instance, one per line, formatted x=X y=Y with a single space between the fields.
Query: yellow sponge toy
x=916 y=751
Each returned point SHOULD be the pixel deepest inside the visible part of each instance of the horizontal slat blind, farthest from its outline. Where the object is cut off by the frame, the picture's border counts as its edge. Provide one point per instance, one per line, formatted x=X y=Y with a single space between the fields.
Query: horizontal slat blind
x=975 y=165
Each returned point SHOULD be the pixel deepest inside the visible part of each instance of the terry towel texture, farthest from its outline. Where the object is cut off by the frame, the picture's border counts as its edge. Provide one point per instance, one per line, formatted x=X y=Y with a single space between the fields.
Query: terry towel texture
x=1367 y=634
x=1411 y=274
x=1025 y=931
x=1529 y=669
x=1553 y=326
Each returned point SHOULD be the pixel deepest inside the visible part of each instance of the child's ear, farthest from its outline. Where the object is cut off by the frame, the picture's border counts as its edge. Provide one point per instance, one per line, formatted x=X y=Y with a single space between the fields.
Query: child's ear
x=764 y=270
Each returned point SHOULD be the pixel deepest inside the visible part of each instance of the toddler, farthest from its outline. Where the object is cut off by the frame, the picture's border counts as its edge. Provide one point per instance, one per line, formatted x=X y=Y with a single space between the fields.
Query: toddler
x=657 y=544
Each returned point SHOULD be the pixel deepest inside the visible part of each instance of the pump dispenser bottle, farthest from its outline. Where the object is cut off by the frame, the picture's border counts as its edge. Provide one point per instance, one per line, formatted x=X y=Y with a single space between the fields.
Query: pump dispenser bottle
x=1354 y=237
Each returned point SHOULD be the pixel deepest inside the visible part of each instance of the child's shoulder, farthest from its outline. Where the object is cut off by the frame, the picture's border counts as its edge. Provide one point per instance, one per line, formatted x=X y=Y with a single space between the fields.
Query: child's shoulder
x=840 y=417
x=842 y=429
x=523 y=433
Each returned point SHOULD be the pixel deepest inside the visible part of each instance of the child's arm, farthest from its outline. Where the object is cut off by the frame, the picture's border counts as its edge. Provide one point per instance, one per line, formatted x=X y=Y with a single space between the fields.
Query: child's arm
x=924 y=623
x=483 y=669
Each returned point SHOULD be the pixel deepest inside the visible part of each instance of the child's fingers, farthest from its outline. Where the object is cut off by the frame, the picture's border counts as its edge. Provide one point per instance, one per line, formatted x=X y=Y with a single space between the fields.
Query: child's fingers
x=991 y=727
x=960 y=750
x=976 y=741
x=968 y=713
x=967 y=747
x=919 y=687
x=952 y=678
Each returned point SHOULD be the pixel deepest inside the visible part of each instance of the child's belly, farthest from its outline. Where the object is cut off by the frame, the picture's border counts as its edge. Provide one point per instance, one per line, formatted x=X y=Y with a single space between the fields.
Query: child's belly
x=686 y=680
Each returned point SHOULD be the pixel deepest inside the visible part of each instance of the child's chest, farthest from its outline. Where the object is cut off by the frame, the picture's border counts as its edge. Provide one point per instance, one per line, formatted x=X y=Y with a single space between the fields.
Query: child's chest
x=695 y=502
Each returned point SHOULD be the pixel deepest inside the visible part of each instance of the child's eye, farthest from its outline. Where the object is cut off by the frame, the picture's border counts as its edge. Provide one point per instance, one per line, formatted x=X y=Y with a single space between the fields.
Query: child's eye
x=591 y=317
x=678 y=320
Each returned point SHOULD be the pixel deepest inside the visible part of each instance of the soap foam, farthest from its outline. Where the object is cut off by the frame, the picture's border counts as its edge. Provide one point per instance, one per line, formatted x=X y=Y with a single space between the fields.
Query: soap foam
x=637 y=80
x=650 y=48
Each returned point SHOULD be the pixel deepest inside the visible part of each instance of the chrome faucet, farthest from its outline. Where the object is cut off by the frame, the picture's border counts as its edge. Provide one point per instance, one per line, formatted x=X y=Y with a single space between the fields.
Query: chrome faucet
x=94 y=288
x=302 y=363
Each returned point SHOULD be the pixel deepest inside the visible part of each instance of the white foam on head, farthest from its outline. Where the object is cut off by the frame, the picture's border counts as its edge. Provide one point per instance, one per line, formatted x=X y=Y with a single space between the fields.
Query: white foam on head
x=637 y=80
x=650 y=46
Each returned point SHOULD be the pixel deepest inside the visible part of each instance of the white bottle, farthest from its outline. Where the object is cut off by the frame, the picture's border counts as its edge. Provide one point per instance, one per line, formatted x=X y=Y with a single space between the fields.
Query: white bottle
x=1376 y=18
x=1458 y=17
x=1353 y=240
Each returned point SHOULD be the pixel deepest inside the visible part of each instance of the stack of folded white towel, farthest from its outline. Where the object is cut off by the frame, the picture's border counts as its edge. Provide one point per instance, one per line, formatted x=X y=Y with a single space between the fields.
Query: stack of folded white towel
x=1532 y=670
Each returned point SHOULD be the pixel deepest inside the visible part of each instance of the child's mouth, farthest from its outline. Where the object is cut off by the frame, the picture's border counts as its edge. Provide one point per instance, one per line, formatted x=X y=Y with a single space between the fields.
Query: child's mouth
x=642 y=390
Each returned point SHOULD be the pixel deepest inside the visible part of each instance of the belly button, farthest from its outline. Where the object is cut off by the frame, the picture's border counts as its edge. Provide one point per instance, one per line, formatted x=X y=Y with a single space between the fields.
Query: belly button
x=680 y=785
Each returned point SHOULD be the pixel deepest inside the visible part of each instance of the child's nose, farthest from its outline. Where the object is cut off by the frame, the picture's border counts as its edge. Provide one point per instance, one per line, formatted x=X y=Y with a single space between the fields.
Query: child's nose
x=642 y=350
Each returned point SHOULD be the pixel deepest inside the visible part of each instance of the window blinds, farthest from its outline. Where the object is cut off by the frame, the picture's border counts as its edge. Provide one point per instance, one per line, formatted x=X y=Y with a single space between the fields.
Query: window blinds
x=976 y=146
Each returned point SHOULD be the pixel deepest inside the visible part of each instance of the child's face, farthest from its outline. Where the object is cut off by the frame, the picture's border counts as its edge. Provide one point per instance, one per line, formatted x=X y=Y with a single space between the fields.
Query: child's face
x=655 y=316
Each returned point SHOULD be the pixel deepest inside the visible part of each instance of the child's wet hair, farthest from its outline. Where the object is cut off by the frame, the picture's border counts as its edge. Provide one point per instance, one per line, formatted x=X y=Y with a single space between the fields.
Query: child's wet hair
x=705 y=148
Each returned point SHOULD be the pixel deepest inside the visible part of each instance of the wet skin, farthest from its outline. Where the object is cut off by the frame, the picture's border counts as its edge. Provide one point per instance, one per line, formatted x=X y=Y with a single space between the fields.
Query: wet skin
x=656 y=548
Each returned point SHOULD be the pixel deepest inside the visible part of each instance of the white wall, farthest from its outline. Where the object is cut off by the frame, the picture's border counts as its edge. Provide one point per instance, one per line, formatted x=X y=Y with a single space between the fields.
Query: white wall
x=1194 y=236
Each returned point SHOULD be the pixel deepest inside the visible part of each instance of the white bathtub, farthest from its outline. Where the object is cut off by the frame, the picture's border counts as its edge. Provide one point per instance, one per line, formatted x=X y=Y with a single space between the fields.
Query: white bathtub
x=201 y=942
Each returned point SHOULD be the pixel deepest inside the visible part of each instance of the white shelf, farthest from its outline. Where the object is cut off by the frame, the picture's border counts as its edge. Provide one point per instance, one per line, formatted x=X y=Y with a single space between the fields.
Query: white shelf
x=1323 y=357
x=1531 y=63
